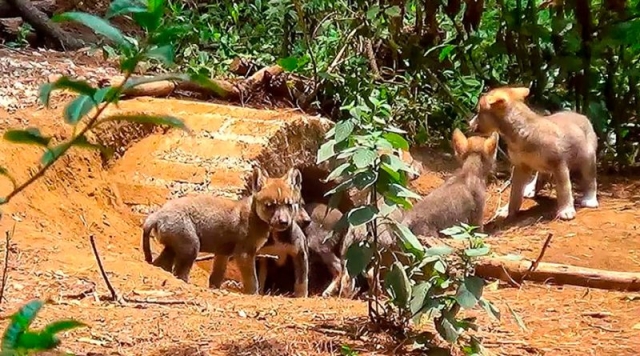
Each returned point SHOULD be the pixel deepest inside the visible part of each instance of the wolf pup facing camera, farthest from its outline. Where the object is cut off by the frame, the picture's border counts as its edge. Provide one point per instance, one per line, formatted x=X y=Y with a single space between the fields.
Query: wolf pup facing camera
x=224 y=227
x=555 y=145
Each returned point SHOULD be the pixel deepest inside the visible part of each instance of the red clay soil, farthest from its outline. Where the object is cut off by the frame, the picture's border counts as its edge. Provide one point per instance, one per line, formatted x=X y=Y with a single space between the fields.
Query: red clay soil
x=51 y=258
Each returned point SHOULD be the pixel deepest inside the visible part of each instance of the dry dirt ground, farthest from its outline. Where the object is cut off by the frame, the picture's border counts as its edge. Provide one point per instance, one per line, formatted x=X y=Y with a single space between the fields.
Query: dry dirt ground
x=50 y=257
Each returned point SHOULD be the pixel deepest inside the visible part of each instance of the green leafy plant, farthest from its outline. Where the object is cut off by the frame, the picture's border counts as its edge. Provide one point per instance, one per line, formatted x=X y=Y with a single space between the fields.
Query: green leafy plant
x=431 y=282
x=18 y=339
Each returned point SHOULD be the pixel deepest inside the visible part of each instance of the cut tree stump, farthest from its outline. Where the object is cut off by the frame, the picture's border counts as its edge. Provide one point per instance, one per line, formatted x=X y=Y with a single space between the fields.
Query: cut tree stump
x=508 y=270
x=8 y=11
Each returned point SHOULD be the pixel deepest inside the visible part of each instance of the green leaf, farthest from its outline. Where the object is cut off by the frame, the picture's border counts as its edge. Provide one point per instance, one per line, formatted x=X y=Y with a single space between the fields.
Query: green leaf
x=149 y=119
x=20 y=322
x=396 y=140
x=397 y=164
x=122 y=7
x=5 y=172
x=393 y=11
x=394 y=175
x=165 y=53
x=517 y=317
x=398 y=285
x=409 y=241
x=444 y=53
x=51 y=154
x=289 y=64
x=97 y=24
x=364 y=179
x=338 y=171
x=418 y=295
x=469 y=292
x=364 y=157
x=439 y=251
x=77 y=86
x=454 y=230
x=104 y=94
x=149 y=21
x=361 y=215
x=403 y=192
x=340 y=187
x=477 y=252
x=62 y=325
x=344 y=128
x=30 y=136
x=326 y=151
x=447 y=329
x=78 y=108
x=358 y=257
x=373 y=11
x=489 y=308
x=440 y=267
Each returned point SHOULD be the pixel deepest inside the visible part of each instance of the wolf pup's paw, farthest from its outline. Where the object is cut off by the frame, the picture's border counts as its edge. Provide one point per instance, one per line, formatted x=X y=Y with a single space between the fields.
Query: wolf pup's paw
x=567 y=213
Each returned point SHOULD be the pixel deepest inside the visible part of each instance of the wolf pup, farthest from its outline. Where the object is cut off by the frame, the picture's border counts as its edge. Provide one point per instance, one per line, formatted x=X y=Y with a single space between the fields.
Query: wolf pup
x=291 y=242
x=224 y=227
x=556 y=145
x=462 y=197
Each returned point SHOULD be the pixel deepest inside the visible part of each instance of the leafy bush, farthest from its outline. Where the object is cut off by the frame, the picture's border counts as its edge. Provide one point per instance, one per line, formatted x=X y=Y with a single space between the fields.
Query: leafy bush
x=427 y=284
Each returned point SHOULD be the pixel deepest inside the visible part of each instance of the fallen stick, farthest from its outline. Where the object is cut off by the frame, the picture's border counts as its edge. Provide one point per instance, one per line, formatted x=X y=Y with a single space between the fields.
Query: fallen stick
x=210 y=257
x=507 y=270
x=5 y=268
x=535 y=263
x=114 y=294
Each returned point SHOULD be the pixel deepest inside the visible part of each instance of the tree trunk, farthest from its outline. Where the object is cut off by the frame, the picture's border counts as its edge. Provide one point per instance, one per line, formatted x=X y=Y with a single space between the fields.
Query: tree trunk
x=44 y=26
x=8 y=11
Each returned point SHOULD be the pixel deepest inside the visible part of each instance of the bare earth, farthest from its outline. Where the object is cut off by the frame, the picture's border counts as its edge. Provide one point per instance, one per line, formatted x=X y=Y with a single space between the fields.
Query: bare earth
x=50 y=257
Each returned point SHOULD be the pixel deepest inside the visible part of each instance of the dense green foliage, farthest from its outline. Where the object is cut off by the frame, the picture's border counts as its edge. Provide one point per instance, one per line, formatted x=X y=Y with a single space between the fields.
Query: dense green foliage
x=431 y=59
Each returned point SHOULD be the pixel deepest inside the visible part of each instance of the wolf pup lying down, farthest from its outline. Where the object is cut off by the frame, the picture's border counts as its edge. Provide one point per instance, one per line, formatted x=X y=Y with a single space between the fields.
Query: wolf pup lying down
x=556 y=145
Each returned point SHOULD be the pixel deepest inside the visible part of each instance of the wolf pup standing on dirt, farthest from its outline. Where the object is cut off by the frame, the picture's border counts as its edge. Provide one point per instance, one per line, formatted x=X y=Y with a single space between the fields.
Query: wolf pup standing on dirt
x=462 y=197
x=224 y=227
x=290 y=242
x=555 y=145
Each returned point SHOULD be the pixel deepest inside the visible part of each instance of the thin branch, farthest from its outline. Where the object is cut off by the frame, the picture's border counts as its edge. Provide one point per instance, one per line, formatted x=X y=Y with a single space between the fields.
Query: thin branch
x=114 y=294
x=5 y=267
x=535 y=263
x=212 y=256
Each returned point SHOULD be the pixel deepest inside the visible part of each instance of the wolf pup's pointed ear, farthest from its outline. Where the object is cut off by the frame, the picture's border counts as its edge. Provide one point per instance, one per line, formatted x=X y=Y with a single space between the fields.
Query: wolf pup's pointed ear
x=258 y=179
x=520 y=93
x=294 y=177
x=491 y=145
x=460 y=143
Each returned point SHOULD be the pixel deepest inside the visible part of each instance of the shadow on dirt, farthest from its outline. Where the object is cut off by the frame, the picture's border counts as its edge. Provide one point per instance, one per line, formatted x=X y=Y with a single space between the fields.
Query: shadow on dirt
x=326 y=338
x=543 y=211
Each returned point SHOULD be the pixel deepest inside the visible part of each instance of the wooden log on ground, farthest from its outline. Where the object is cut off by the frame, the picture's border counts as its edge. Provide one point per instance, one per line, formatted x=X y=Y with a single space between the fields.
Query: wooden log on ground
x=226 y=90
x=508 y=270
x=46 y=6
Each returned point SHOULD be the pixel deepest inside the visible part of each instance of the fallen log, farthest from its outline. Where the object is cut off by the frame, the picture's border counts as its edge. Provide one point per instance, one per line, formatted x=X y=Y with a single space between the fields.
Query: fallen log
x=225 y=89
x=46 y=6
x=509 y=270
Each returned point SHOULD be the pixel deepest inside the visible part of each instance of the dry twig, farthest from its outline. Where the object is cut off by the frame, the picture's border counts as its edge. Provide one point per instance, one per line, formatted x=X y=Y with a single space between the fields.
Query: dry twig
x=535 y=263
x=5 y=267
x=114 y=295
